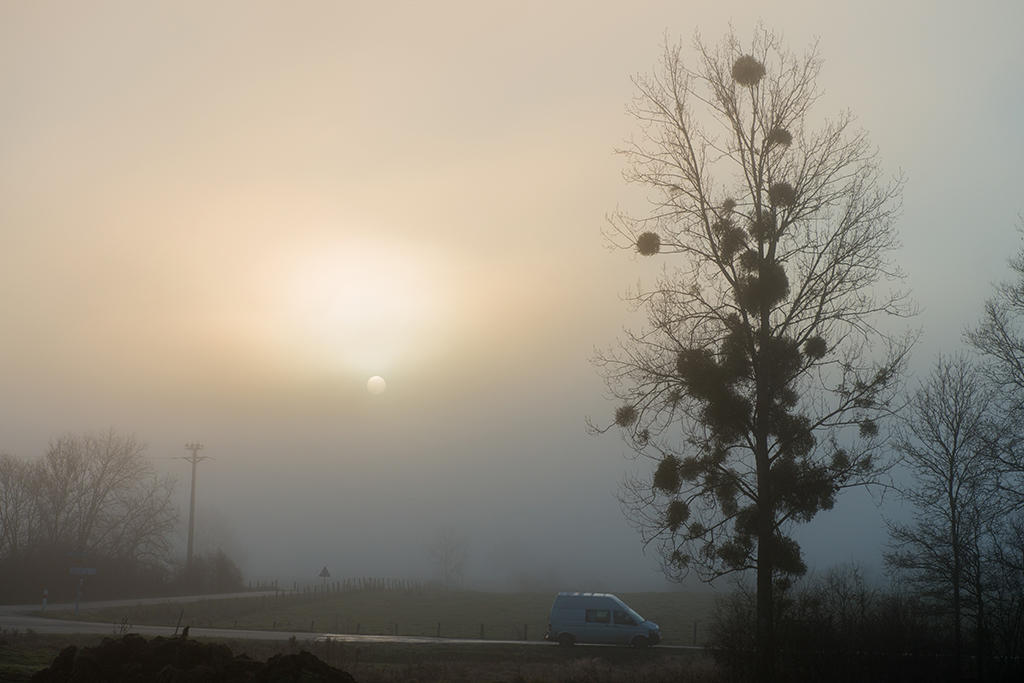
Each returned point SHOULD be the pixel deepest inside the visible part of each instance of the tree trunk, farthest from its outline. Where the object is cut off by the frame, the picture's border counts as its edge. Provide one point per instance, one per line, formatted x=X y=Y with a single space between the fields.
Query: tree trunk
x=765 y=614
x=957 y=571
x=766 y=515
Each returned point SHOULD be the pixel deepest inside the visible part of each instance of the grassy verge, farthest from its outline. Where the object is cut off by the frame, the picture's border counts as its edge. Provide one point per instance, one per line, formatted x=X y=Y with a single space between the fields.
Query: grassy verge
x=451 y=614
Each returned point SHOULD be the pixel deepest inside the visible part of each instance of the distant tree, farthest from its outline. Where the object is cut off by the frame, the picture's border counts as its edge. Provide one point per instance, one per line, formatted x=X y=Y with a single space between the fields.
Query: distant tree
x=1004 y=613
x=946 y=442
x=99 y=494
x=211 y=572
x=449 y=552
x=90 y=499
x=18 y=510
x=999 y=337
x=759 y=382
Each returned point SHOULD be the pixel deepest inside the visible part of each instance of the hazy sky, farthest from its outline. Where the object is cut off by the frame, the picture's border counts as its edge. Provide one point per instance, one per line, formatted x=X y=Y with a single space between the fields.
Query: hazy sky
x=217 y=220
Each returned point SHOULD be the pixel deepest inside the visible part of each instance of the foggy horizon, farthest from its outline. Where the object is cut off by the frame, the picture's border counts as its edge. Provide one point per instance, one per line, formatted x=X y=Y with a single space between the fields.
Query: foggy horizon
x=220 y=222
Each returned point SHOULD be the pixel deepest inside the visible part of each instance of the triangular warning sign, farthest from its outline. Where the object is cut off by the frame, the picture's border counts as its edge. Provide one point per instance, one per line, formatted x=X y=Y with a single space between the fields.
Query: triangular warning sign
x=324 y=574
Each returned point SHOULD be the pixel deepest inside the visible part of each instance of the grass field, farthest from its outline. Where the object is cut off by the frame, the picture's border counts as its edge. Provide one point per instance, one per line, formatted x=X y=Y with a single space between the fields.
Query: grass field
x=451 y=614
x=23 y=654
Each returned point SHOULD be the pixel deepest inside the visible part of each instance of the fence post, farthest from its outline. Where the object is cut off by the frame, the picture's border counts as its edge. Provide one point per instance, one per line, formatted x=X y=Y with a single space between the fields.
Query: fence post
x=526 y=631
x=439 y=629
x=481 y=631
x=695 y=633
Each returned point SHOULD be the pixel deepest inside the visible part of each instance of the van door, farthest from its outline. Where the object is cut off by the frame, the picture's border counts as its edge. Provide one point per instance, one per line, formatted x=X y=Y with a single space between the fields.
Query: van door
x=599 y=624
x=624 y=626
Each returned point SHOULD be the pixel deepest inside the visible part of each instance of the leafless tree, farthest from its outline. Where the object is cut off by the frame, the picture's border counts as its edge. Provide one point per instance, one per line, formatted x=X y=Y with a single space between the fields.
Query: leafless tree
x=100 y=494
x=945 y=442
x=18 y=513
x=999 y=337
x=758 y=384
x=449 y=552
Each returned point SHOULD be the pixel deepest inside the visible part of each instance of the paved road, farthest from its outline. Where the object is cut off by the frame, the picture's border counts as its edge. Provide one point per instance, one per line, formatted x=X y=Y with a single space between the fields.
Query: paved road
x=21 y=617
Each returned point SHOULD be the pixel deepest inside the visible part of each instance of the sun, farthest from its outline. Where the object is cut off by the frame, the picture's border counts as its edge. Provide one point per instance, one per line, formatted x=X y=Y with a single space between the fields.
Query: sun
x=376 y=385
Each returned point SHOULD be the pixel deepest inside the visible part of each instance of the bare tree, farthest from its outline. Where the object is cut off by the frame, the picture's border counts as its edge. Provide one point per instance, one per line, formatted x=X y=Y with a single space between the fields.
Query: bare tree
x=999 y=337
x=1004 y=611
x=945 y=441
x=92 y=499
x=18 y=513
x=449 y=551
x=100 y=494
x=758 y=383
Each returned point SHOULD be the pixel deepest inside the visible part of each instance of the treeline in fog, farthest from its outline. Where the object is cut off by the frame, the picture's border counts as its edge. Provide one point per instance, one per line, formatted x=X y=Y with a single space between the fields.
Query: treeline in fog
x=94 y=502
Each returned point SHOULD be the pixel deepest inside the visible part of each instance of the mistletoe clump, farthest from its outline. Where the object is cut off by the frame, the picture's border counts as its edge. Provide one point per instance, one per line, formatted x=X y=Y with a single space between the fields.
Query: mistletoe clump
x=666 y=476
x=762 y=228
x=780 y=136
x=731 y=239
x=764 y=284
x=782 y=194
x=868 y=429
x=725 y=411
x=676 y=514
x=625 y=415
x=815 y=347
x=747 y=71
x=648 y=243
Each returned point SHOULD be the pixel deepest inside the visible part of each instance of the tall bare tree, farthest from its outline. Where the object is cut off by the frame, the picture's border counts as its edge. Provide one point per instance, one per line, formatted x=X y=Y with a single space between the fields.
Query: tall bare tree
x=946 y=442
x=757 y=385
x=999 y=337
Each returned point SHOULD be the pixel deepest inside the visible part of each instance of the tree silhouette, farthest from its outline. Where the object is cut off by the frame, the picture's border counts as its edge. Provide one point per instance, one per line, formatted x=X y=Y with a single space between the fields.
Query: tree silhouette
x=92 y=500
x=757 y=385
x=946 y=441
x=449 y=551
x=999 y=337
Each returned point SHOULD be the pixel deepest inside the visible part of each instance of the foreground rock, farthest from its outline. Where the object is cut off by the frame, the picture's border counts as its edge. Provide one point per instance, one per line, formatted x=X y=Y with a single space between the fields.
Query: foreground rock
x=133 y=659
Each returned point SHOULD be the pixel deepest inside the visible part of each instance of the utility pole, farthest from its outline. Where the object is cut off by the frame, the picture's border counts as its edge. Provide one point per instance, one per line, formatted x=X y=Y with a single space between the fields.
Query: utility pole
x=195 y=459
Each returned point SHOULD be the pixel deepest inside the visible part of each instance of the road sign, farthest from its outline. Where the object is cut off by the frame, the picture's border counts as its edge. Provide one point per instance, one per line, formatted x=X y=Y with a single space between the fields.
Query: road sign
x=83 y=571
x=324 y=574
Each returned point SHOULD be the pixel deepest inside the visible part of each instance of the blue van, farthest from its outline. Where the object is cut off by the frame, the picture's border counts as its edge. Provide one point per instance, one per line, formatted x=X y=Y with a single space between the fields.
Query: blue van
x=598 y=618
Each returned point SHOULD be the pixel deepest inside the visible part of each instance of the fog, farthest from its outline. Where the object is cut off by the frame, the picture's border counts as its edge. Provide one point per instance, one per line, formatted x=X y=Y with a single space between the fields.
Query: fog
x=218 y=223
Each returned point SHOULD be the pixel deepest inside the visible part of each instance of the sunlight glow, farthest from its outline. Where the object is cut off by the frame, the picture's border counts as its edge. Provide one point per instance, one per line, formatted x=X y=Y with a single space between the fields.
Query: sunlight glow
x=364 y=308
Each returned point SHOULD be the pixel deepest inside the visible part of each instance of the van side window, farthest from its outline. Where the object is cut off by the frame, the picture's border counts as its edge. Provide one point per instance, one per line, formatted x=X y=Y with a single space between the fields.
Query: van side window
x=599 y=616
x=624 y=619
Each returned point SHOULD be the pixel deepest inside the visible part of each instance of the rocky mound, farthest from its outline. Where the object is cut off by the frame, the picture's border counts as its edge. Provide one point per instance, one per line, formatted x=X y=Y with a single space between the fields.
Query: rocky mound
x=133 y=659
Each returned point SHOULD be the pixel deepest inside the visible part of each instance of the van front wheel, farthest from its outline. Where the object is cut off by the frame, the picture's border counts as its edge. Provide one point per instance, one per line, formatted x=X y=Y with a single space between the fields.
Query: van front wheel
x=640 y=642
x=566 y=640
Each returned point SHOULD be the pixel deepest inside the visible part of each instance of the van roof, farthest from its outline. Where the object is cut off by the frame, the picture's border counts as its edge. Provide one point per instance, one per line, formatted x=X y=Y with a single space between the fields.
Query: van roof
x=586 y=595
